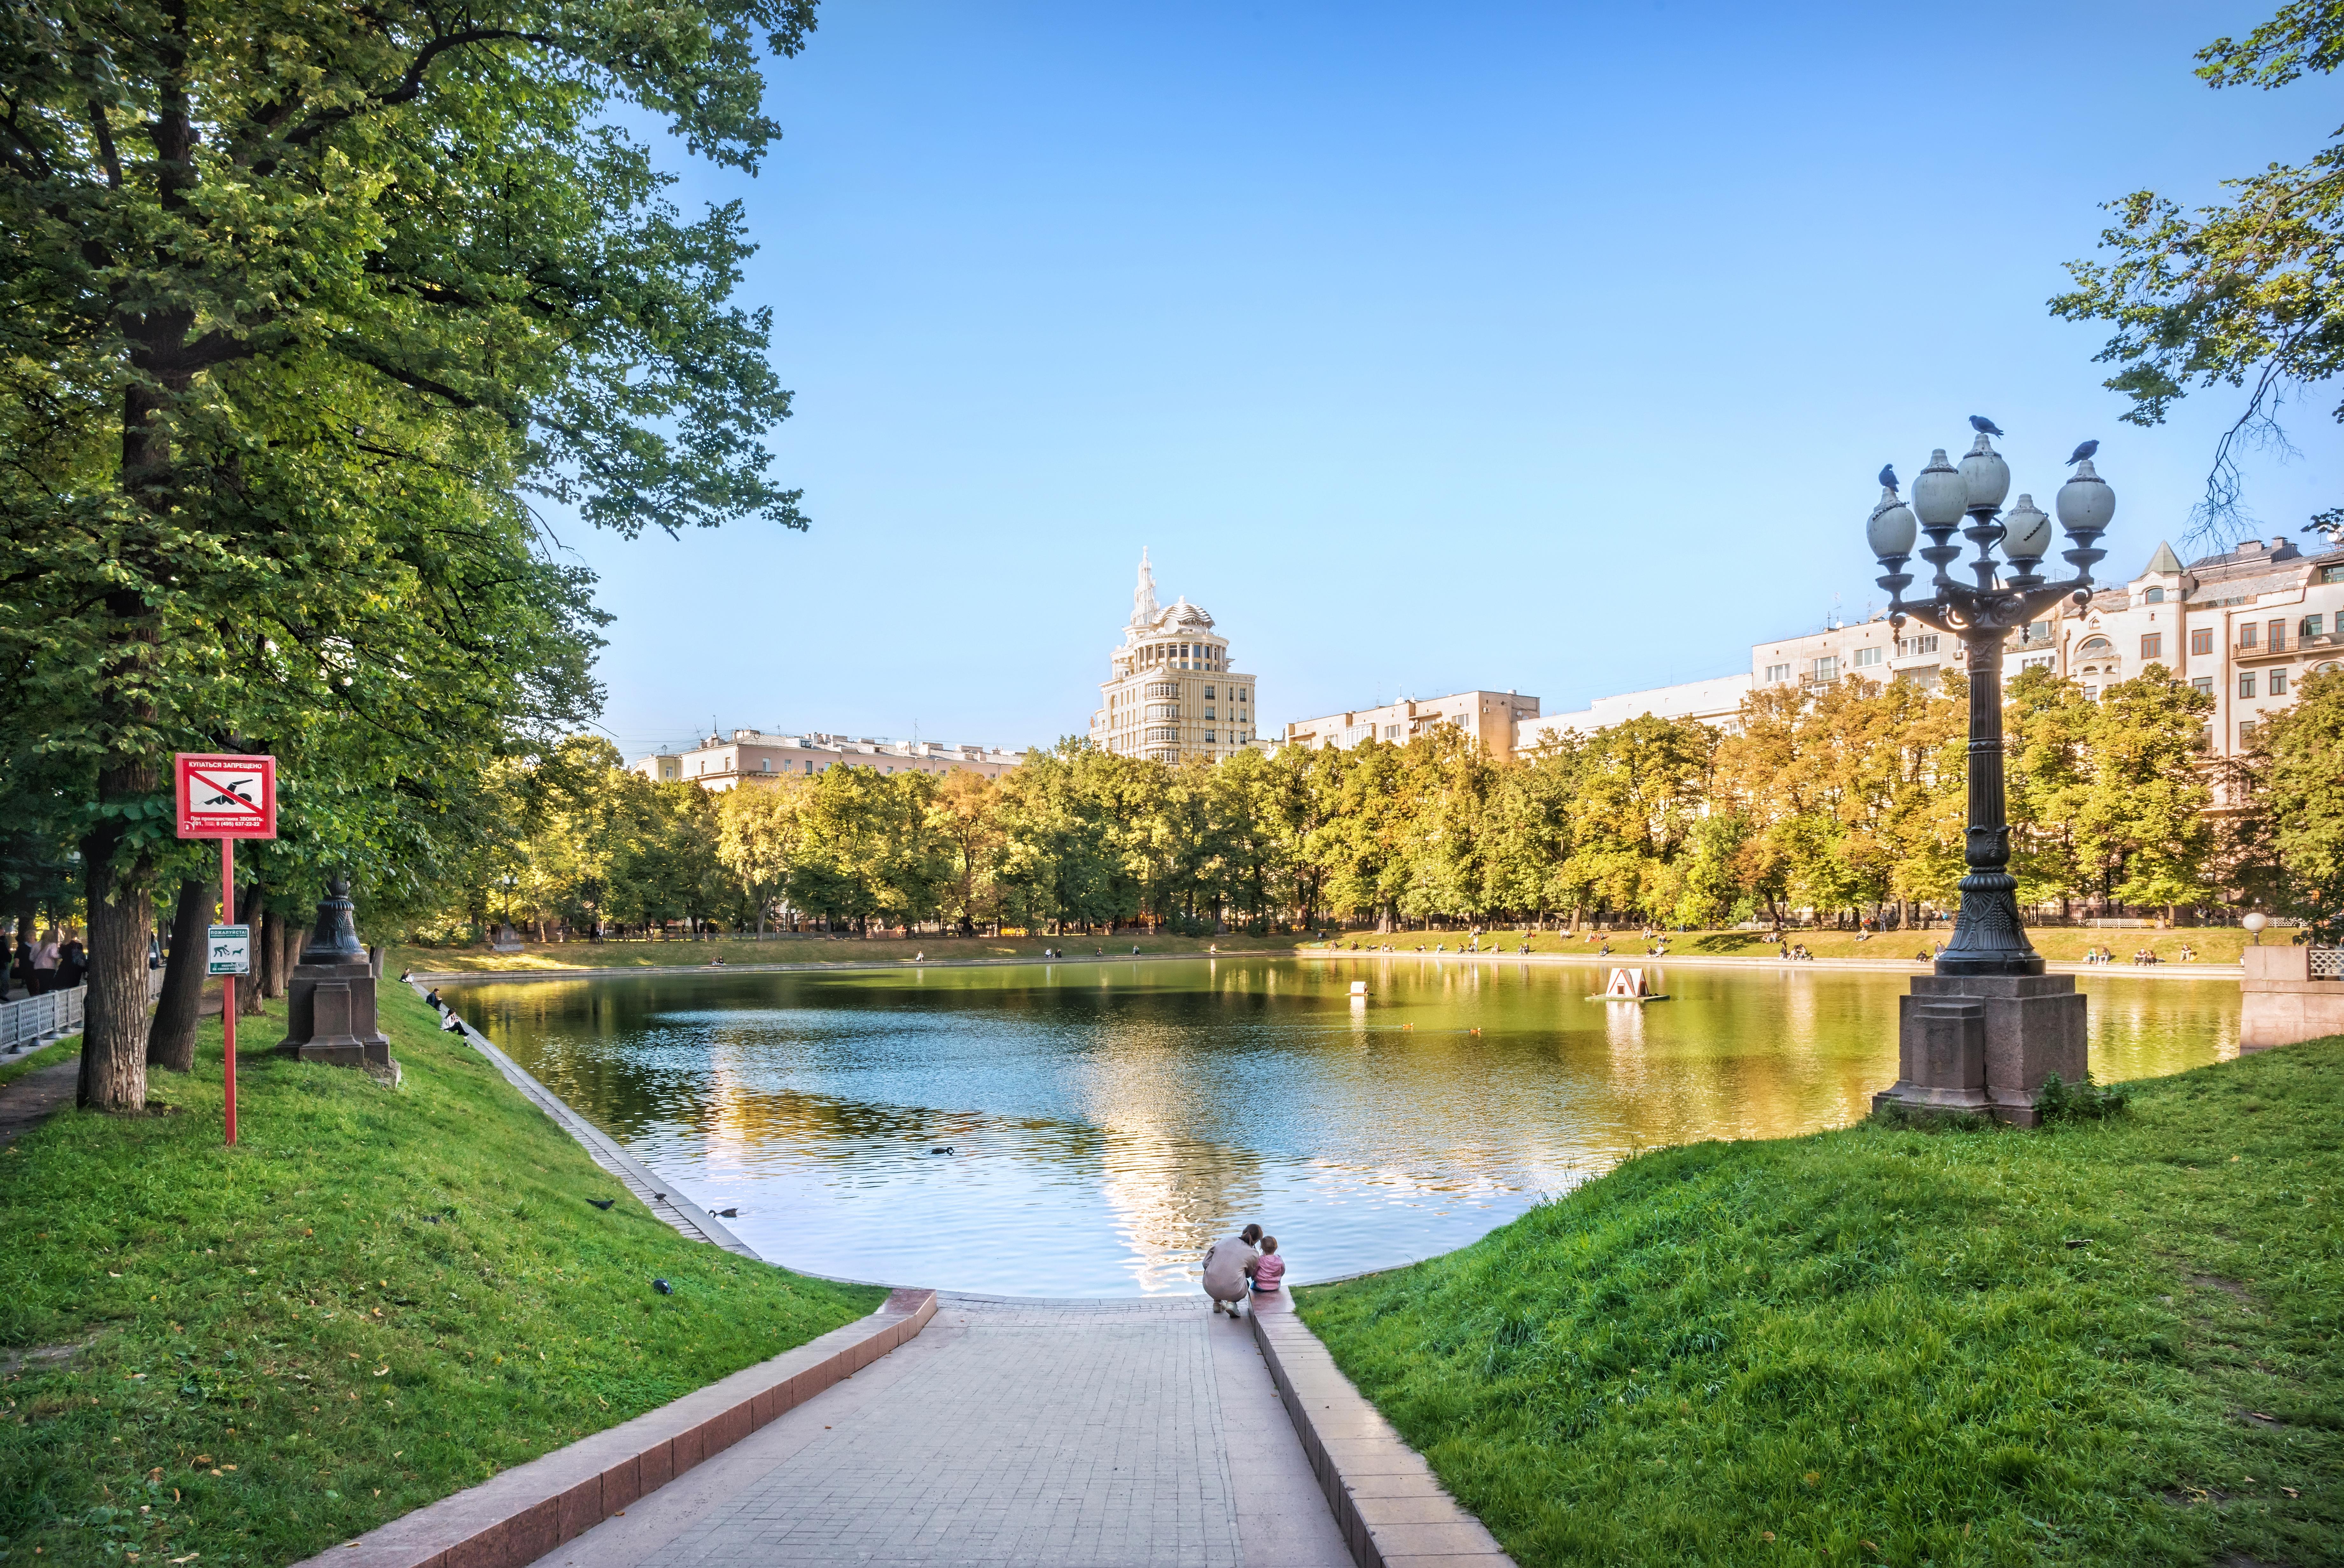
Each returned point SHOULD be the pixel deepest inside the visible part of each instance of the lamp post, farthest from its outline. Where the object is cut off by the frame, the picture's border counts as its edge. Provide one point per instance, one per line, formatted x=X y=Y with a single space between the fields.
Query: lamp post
x=1985 y=1030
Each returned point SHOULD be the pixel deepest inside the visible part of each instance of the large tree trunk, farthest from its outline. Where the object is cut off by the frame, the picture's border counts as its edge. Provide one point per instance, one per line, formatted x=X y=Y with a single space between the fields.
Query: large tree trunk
x=121 y=922
x=289 y=952
x=171 y=1037
x=255 y=913
x=272 y=953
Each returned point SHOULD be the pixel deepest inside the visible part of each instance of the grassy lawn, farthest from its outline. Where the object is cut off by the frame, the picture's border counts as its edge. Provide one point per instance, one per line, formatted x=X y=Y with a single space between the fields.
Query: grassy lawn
x=2061 y=944
x=381 y=1297
x=47 y=1056
x=806 y=948
x=2111 y=1342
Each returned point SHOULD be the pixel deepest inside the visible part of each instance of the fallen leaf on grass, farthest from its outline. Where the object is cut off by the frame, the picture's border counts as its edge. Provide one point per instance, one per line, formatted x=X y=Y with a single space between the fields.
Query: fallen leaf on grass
x=2291 y=1491
x=379 y=1370
x=1765 y=1535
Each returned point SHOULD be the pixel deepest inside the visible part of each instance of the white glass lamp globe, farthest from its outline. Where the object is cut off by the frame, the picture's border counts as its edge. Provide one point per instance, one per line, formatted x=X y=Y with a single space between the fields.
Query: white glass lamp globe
x=1984 y=475
x=1939 y=496
x=2085 y=503
x=2027 y=532
x=1892 y=529
x=2255 y=921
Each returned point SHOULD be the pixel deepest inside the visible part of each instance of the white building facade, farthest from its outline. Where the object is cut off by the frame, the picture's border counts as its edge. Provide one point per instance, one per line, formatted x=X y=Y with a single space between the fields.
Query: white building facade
x=754 y=757
x=1172 y=694
x=1493 y=718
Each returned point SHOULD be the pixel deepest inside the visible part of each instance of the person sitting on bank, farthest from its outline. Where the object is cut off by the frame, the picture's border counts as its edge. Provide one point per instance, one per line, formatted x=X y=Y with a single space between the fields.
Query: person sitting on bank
x=1268 y=1269
x=1228 y=1270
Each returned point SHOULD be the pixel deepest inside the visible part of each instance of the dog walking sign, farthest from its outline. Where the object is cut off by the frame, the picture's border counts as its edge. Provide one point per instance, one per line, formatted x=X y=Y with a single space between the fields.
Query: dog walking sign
x=228 y=798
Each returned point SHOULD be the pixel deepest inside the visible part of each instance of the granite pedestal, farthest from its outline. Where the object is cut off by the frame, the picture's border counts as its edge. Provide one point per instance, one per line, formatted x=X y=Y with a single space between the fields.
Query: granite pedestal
x=330 y=1006
x=1983 y=1044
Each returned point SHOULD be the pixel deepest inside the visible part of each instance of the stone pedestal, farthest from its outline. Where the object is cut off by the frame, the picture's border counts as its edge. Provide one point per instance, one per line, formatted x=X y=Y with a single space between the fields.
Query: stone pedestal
x=330 y=995
x=1982 y=1043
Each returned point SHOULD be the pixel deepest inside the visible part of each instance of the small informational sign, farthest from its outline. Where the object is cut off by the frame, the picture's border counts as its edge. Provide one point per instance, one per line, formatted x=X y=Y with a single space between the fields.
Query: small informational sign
x=227 y=797
x=228 y=950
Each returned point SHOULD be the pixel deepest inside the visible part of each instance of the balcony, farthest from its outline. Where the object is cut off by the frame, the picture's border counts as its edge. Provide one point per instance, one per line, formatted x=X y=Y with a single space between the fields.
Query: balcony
x=1161 y=689
x=2279 y=645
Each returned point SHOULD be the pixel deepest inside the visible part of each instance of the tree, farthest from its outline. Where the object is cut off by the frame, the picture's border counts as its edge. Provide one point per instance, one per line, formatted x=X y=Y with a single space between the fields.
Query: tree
x=301 y=307
x=2297 y=771
x=2140 y=820
x=2242 y=294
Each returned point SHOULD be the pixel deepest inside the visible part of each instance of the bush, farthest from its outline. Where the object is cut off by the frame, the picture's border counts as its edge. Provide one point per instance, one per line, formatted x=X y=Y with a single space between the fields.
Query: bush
x=2084 y=1101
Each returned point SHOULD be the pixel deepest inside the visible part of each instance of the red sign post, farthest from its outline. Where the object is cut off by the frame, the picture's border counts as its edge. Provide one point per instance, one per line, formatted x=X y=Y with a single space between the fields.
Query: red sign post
x=226 y=797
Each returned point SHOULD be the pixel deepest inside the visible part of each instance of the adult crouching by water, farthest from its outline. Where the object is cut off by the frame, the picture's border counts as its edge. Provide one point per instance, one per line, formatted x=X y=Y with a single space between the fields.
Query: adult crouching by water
x=1228 y=1270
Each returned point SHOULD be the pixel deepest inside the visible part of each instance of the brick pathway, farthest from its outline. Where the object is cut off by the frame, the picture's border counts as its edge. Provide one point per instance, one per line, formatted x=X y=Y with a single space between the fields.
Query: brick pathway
x=1083 y=1434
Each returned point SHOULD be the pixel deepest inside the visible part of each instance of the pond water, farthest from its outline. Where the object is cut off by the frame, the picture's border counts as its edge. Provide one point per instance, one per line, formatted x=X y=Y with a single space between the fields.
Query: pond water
x=1109 y=1120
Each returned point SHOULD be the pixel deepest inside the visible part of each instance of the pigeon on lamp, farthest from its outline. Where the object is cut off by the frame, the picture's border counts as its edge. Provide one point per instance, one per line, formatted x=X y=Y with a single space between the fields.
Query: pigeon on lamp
x=1888 y=475
x=1984 y=426
x=2082 y=450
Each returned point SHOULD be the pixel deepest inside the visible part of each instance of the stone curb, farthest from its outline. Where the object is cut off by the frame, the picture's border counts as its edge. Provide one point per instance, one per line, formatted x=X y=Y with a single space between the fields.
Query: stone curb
x=1393 y=1511
x=531 y=1509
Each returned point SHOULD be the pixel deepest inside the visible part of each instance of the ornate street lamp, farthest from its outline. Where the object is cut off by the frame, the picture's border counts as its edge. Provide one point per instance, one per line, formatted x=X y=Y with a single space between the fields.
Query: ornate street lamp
x=1989 y=1027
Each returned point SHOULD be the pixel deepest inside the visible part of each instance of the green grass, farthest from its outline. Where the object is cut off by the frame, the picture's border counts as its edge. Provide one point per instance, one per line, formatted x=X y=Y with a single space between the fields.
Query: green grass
x=552 y=957
x=2113 y=1342
x=2061 y=944
x=47 y=1056
x=379 y=1297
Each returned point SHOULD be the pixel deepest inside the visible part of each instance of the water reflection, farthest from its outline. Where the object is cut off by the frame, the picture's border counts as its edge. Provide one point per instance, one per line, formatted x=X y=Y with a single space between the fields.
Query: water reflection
x=1107 y=1121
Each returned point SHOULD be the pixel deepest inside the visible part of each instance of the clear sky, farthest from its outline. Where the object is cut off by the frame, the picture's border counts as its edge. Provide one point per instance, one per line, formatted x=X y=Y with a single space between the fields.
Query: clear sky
x=1544 y=347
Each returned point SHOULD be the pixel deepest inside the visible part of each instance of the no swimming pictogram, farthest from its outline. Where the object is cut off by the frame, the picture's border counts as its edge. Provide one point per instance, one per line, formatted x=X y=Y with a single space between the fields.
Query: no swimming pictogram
x=227 y=797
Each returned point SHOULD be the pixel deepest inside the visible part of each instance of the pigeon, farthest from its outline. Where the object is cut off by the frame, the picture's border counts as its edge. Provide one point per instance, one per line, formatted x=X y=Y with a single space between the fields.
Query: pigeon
x=1984 y=426
x=663 y=1288
x=2082 y=450
x=1888 y=475
x=602 y=1203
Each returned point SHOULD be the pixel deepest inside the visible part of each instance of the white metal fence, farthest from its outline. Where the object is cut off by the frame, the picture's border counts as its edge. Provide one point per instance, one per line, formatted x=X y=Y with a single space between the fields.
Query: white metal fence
x=2328 y=963
x=38 y=1020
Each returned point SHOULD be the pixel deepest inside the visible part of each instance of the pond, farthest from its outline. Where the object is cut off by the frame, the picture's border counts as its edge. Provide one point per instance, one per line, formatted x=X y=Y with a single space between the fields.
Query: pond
x=1107 y=1121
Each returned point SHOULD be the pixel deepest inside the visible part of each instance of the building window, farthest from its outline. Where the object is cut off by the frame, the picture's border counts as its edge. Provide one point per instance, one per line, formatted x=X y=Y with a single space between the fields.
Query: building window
x=2152 y=644
x=2154 y=596
x=1391 y=732
x=2037 y=631
x=1209 y=697
x=2312 y=624
x=2091 y=645
x=2248 y=634
x=2203 y=683
x=1777 y=674
x=2201 y=641
x=2246 y=683
x=2245 y=733
x=2278 y=684
x=2206 y=739
x=1866 y=657
x=2091 y=694
x=1912 y=647
x=1827 y=667
x=2278 y=635
x=2331 y=574
x=2034 y=662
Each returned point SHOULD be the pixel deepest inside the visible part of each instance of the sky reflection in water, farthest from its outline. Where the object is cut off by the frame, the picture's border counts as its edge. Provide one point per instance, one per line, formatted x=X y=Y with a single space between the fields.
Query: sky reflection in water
x=1109 y=1121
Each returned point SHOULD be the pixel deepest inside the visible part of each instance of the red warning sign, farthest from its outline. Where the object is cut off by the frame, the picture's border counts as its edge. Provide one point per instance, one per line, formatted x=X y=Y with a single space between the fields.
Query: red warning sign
x=227 y=797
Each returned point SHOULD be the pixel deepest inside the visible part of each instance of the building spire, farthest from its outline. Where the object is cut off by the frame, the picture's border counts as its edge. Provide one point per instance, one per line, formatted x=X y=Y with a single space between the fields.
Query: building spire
x=1143 y=597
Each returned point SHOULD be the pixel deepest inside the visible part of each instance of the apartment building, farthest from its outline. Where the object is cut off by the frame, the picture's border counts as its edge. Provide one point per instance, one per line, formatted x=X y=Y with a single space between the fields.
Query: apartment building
x=1493 y=718
x=1716 y=701
x=1170 y=694
x=753 y=757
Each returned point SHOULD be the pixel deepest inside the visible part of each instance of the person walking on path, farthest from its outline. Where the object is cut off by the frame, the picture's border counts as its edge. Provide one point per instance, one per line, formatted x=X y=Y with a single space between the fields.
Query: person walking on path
x=1228 y=1269
x=45 y=963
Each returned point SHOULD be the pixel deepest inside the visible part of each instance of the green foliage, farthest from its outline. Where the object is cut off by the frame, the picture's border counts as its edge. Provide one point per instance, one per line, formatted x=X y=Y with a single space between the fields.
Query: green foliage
x=2294 y=783
x=1885 y=1345
x=379 y=1297
x=2242 y=294
x=2085 y=1102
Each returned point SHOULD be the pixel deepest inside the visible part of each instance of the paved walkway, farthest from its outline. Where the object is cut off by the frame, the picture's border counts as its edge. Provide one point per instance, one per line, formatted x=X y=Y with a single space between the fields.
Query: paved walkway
x=28 y=1102
x=1068 y=1434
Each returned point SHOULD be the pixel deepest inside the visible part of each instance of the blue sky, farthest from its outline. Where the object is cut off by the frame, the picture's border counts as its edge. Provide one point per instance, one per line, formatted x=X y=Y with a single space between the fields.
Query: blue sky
x=1542 y=346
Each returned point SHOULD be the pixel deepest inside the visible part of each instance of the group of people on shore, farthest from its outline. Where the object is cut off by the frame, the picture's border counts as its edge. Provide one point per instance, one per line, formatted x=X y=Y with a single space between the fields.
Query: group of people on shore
x=53 y=961
x=2140 y=956
x=1246 y=1265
